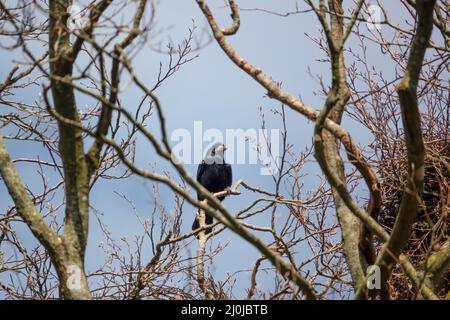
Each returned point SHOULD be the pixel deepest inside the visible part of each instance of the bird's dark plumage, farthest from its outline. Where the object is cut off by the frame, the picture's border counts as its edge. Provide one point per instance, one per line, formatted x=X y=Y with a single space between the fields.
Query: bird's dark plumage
x=215 y=175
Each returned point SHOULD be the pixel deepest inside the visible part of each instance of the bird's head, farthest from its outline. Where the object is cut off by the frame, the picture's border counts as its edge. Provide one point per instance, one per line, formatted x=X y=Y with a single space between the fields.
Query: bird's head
x=216 y=153
x=219 y=149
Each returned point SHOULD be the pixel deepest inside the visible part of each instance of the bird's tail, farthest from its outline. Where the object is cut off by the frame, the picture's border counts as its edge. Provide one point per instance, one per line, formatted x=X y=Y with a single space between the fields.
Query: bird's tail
x=208 y=220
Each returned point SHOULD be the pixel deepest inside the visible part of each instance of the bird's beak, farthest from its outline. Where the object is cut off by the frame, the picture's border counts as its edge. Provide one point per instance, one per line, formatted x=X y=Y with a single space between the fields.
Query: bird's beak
x=224 y=148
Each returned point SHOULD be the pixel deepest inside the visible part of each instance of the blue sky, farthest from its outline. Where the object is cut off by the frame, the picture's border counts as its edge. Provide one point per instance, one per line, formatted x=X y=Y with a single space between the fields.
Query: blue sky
x=213 y=90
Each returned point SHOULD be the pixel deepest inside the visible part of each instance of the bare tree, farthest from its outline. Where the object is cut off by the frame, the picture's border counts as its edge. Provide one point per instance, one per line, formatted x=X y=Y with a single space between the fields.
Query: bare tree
x=400 y=230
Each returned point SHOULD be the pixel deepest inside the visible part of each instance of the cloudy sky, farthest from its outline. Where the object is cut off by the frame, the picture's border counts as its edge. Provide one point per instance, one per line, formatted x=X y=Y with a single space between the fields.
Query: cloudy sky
x=210 y=89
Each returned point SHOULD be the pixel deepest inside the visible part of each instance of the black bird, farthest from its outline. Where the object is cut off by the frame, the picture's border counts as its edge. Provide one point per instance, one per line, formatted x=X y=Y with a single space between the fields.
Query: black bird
x=215 y=175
